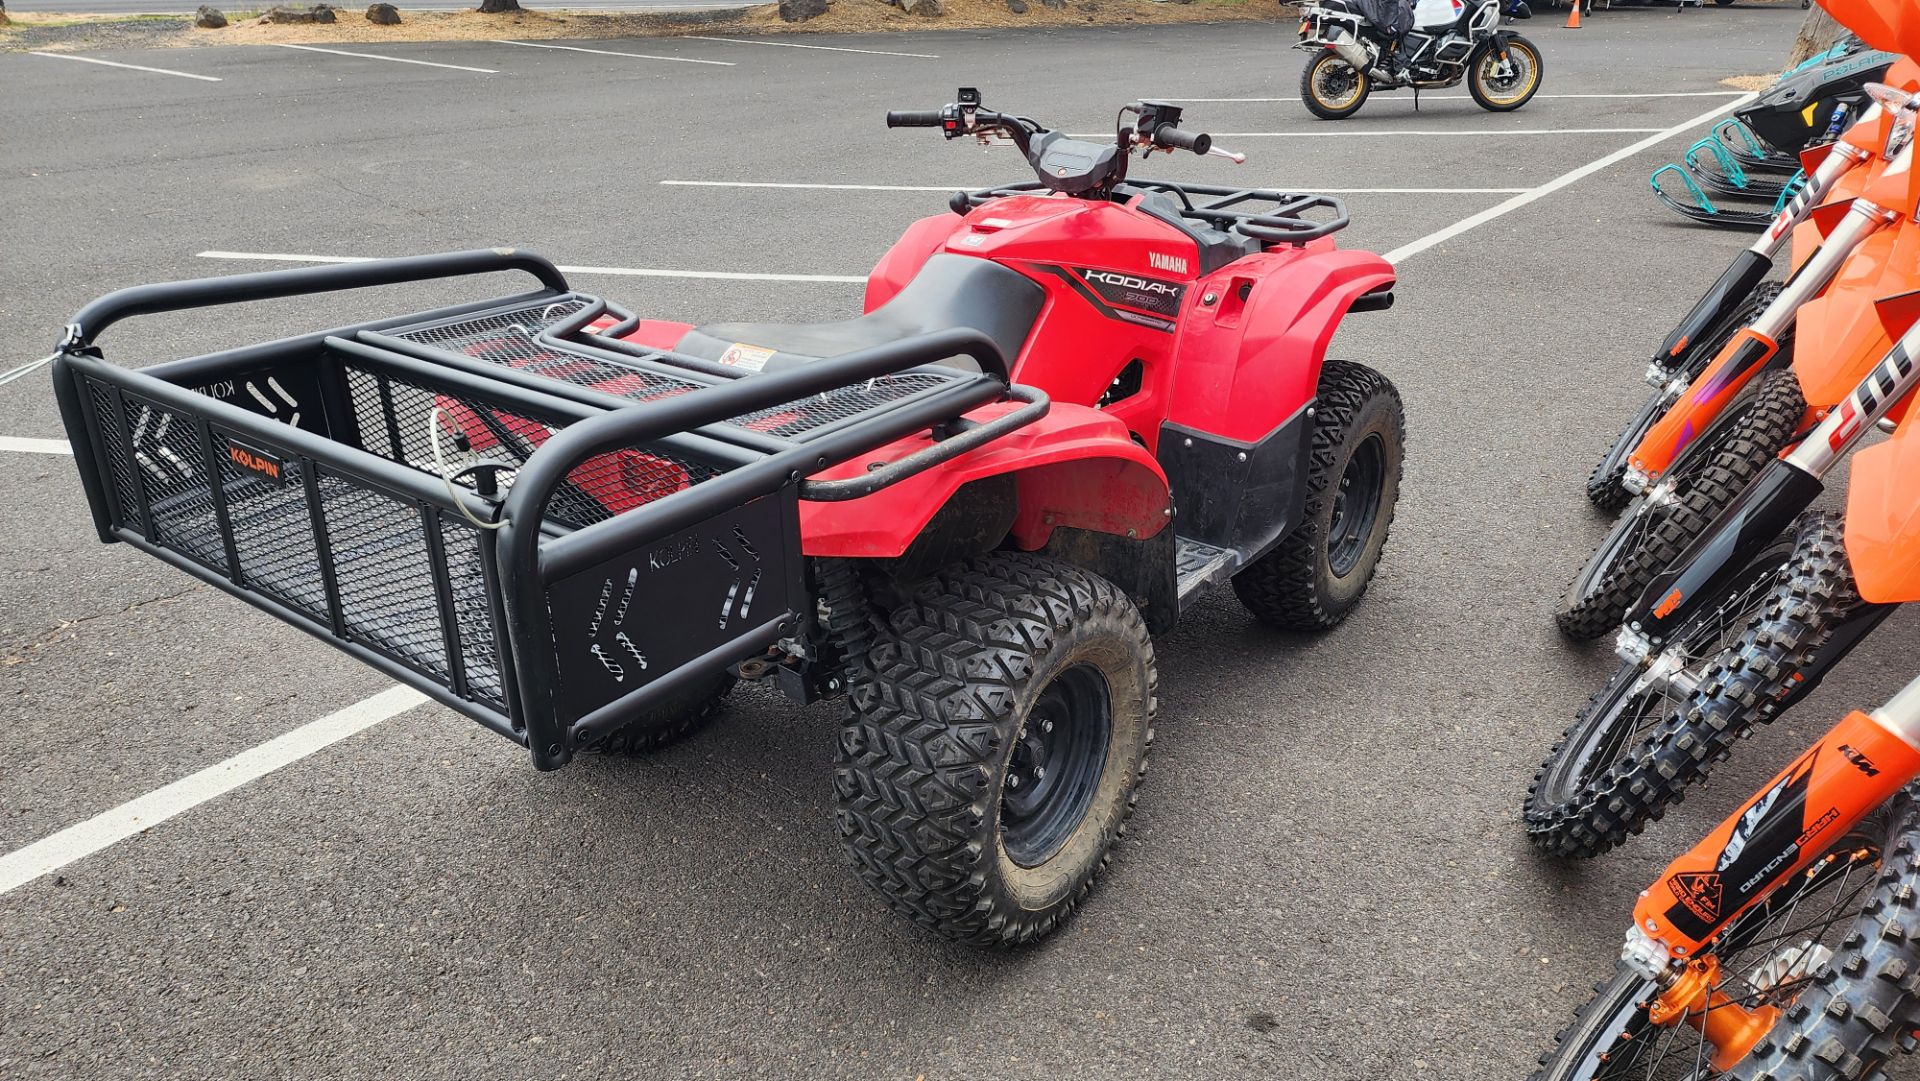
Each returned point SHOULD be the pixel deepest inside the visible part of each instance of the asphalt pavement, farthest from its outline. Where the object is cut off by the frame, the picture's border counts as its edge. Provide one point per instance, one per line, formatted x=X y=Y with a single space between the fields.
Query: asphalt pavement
x=1326 y=878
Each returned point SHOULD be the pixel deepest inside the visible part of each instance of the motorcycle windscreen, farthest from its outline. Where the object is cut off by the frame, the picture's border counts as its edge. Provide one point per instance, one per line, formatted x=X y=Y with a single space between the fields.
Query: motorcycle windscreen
x=1893 y=25
x=1883 y=519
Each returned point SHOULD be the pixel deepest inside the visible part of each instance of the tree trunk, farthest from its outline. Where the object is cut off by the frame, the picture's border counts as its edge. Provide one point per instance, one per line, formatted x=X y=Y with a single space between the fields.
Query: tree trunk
x=3 y=13
x=498 y=7
x=1817 y=35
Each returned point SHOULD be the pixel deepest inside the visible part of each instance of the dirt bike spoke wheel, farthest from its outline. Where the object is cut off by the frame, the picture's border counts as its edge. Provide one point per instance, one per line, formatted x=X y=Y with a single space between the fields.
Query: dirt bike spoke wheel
x=1505 y=85
x=1655 y=528
x=1583 y=800
x=1827 y=948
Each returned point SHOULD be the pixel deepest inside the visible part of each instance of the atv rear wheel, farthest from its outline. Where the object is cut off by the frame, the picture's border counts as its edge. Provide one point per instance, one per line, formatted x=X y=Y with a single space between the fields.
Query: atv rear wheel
x=680 y=716
x=1501 y=86
x=990 y=754
x=1330 y=87
x=1321 y=569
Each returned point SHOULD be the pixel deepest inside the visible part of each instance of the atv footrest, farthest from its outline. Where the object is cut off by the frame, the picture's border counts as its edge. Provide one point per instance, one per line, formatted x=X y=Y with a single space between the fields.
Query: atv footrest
x=1199 y=565
x=549 y=536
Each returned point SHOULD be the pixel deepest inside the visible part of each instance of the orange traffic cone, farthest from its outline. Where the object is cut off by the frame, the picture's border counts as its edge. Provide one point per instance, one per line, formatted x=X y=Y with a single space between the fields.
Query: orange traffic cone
x=1573 y=20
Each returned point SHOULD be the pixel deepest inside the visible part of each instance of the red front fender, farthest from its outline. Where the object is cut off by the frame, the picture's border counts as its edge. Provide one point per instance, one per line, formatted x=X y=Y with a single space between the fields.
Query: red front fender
x=1074 y=467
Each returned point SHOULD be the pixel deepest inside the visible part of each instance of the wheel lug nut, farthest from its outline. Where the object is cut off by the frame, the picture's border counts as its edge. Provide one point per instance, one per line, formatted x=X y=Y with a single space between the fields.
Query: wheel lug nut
x=1039 y=773
x=1046 y=726
x=1013 y=780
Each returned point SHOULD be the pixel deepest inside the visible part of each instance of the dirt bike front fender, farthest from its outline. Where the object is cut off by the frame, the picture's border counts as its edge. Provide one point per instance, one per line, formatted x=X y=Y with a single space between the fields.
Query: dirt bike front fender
x=1074 y=468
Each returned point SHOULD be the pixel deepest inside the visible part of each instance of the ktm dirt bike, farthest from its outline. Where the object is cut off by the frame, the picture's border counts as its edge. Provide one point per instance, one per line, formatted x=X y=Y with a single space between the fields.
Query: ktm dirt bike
x=1071 y=407
x=1448 y=41
x=1713 y=437
x=1783 y=945
x=1759 y=608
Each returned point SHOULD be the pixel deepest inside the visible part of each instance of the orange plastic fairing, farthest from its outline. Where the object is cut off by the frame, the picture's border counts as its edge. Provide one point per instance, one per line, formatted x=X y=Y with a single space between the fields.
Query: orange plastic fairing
x=1883 y=519
x=1893 y=25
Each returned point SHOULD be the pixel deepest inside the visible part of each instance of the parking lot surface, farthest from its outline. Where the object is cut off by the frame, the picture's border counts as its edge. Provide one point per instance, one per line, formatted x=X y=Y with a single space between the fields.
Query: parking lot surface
x=1326 y=877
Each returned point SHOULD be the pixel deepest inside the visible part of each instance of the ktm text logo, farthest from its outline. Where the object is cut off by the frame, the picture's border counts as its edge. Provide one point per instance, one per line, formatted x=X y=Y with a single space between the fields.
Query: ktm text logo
x=1176 y=264
x=254 y=463
x=1860 y=761
x=1126 y=282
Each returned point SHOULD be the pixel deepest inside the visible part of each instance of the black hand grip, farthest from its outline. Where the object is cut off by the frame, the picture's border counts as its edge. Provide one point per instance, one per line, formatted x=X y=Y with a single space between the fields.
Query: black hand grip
x=914 y=118
x=1197 y=141
x=275 y=284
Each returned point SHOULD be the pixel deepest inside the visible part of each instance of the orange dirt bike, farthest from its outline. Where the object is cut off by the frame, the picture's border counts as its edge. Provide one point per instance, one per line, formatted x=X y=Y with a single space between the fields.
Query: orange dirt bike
x=1717 y=426
x=1787 y=944
x=1759 y=607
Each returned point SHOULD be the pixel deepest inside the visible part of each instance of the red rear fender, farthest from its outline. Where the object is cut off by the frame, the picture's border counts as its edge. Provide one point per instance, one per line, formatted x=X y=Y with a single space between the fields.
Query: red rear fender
x=1074 y=467
x=1252 y=359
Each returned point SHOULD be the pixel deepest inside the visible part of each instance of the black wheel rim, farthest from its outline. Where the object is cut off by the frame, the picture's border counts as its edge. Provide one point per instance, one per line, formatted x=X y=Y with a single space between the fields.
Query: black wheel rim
x=1817 y=906
x=1617 y=723
x=1336 y=83
x=1056 y=765
x=1356 y=506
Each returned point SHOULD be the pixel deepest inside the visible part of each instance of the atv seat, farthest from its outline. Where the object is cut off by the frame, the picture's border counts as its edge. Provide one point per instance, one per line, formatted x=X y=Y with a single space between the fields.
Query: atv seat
x=950 y=291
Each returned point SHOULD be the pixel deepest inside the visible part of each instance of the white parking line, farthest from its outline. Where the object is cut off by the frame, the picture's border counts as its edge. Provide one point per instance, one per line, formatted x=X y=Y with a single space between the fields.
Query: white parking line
x=611 y=52
x=19 y=445
x=129 y=67
x=620 y=271
x=394 y=59
x=1407 y=251
x=49 y=854
x=822 y=48
x=977 y=187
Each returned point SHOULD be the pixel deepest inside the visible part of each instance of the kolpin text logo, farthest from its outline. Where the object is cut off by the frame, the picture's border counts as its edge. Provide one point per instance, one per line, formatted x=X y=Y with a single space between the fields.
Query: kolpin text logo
x=254 y=463
x=1106 y=277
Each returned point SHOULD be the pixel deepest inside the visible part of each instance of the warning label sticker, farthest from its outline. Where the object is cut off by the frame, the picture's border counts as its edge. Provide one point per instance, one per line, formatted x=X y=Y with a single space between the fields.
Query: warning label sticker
x=750 y=357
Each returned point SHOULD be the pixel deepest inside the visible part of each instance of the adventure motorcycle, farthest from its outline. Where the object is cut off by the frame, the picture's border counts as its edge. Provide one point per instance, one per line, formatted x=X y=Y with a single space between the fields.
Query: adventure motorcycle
x=1360 y=46
x=1071 y=407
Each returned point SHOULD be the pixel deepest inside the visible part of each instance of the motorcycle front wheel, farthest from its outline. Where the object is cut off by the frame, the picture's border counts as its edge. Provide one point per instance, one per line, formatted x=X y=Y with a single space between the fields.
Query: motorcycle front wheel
x=1501 y=86
x=1331 y=88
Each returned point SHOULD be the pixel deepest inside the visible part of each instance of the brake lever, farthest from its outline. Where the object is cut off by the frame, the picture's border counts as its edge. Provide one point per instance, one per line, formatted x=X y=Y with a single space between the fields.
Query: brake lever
x=1237 y=159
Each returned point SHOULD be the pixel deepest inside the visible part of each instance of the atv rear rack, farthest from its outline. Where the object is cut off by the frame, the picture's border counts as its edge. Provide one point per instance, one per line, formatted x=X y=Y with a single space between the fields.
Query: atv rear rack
x=1229 y=209
x=538 y=525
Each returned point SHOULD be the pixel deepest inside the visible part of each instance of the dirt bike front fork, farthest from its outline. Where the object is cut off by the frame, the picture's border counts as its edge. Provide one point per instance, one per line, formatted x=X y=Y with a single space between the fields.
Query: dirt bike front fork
x=1856 y=767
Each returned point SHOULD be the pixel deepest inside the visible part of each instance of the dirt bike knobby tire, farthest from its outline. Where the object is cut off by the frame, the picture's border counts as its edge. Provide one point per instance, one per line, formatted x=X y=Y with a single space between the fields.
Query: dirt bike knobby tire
x=1294 y=587
x=1742 y=688
x=1598 y=598
x=931 y=729
x=1604 y=487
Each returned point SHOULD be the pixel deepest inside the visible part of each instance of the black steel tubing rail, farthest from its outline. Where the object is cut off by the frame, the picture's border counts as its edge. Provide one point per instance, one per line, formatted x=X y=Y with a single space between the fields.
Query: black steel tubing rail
x=530 y=565
x=974 y=436
x=102 y=313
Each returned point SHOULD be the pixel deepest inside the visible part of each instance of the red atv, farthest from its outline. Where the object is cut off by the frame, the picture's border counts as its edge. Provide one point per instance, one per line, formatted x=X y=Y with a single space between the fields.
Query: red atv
x=1070 y=406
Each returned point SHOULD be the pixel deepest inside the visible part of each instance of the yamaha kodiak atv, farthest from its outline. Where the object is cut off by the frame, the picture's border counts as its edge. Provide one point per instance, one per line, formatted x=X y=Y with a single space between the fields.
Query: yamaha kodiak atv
x=1071 y=405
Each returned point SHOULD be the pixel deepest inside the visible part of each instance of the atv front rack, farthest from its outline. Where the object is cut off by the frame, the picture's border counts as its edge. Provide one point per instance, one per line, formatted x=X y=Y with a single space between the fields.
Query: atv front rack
x=1282 y=220
x=540 y=526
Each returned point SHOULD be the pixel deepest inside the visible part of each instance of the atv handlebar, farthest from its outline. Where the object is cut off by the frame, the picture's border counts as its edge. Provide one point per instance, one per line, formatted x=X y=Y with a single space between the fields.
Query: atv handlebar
x=914 y=118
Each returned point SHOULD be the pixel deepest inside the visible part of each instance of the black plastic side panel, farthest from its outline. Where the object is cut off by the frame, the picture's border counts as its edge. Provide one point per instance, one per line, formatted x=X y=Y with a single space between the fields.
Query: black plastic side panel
x=1244 y=496
x=687 y=596
x=1746 y=527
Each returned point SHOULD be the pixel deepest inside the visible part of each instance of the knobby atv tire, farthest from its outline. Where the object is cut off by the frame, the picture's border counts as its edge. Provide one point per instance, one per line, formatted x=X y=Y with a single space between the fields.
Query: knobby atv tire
x=1600 y=596
x=1311 y=98
x=1745 y=686
x=680 y=716
x=931 y=731
x=1865 y=1001
x=1295 y=586
x=1856 y=1008
x=1604 y=485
